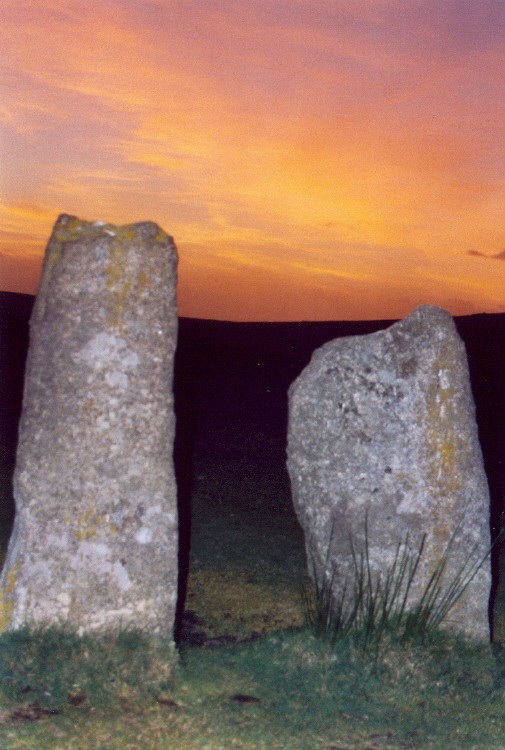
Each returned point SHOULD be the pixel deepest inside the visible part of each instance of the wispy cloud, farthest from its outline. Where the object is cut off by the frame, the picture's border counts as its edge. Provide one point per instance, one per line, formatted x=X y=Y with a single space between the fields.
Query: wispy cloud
x=478 y=254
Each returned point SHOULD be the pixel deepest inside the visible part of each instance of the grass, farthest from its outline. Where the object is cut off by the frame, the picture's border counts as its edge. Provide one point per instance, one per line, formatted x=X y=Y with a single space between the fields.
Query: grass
x=283 y=689
x=287 y=690
x=52 y=668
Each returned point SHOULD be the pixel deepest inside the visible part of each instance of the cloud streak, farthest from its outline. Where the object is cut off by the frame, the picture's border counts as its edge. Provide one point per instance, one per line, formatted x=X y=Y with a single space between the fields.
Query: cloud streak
x=497 y=256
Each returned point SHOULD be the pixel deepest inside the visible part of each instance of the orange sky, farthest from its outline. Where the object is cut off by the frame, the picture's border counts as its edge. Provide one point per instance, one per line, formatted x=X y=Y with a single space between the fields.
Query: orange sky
x=313 y=159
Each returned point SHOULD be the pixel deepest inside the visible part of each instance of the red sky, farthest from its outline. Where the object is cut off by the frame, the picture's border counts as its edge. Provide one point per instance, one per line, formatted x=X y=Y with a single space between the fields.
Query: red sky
x=313 y=159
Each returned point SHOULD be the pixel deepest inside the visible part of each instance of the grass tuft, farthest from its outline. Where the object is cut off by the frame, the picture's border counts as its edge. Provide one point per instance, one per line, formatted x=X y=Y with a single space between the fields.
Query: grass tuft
x=377 y=610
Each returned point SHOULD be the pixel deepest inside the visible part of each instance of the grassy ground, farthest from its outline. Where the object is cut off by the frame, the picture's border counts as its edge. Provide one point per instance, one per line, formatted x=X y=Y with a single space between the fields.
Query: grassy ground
x=247 y=558
x=274 y=686
x=285 y=690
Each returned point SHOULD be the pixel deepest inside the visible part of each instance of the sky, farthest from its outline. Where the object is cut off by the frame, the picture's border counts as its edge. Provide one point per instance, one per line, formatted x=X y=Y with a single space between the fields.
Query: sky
x=313 y=159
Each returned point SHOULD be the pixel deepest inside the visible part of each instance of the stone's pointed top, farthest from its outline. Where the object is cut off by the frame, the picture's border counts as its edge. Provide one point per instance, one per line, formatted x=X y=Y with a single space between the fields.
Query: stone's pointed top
x=430 y=313
x=428 y=309
x=425 y=325
x=123 y=276
x=70 y=228
x=424 y=321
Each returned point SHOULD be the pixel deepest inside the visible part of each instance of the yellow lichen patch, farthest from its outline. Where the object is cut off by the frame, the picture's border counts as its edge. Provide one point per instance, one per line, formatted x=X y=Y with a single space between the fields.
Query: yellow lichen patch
x=443 y=449
x=441 y=433
x=162 y=237
x=143 y=281
x=447 y=453
x=126 y=233
x=118 y=284
x=116 y=308
x=89 y=523
x=67 y=229
x=129 y=232
x=123 y=284
x=404 y=476
x=88 y=408
x=6 y=598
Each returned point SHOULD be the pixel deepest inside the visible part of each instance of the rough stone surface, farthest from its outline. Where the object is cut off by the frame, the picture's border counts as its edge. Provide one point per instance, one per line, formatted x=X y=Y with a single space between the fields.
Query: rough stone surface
x=382 y=427
x=94 y=545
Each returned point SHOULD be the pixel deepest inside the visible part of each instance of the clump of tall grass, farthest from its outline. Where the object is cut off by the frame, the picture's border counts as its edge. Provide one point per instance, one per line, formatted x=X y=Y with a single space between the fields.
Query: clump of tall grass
x=377 y=606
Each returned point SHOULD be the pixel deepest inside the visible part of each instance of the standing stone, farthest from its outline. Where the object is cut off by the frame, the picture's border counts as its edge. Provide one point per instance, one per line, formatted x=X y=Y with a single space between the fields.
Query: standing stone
x=94 y=545
x=382 y=433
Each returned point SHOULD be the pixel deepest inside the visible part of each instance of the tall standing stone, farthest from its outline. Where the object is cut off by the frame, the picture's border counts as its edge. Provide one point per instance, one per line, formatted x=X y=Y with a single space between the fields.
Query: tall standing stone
x=382 y=433
x=94 y=545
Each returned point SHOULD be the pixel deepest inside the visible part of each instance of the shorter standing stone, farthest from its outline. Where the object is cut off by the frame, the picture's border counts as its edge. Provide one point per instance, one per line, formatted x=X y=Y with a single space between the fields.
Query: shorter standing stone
x=94 y=545
x=382 y=433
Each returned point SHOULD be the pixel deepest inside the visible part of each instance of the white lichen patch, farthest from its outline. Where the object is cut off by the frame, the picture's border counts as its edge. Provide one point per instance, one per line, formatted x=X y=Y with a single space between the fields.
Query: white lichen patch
x=414 y=503
x=104 y=618
x=105 y=350
x=90 y=553
x=102 y=424
x=445 y=379
x=64 y=600
x=57 y=541
x=154 y=510
x=117 y=379
x=96 y=558
x=41 y=572
x=144 y=535
x=121 y=576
